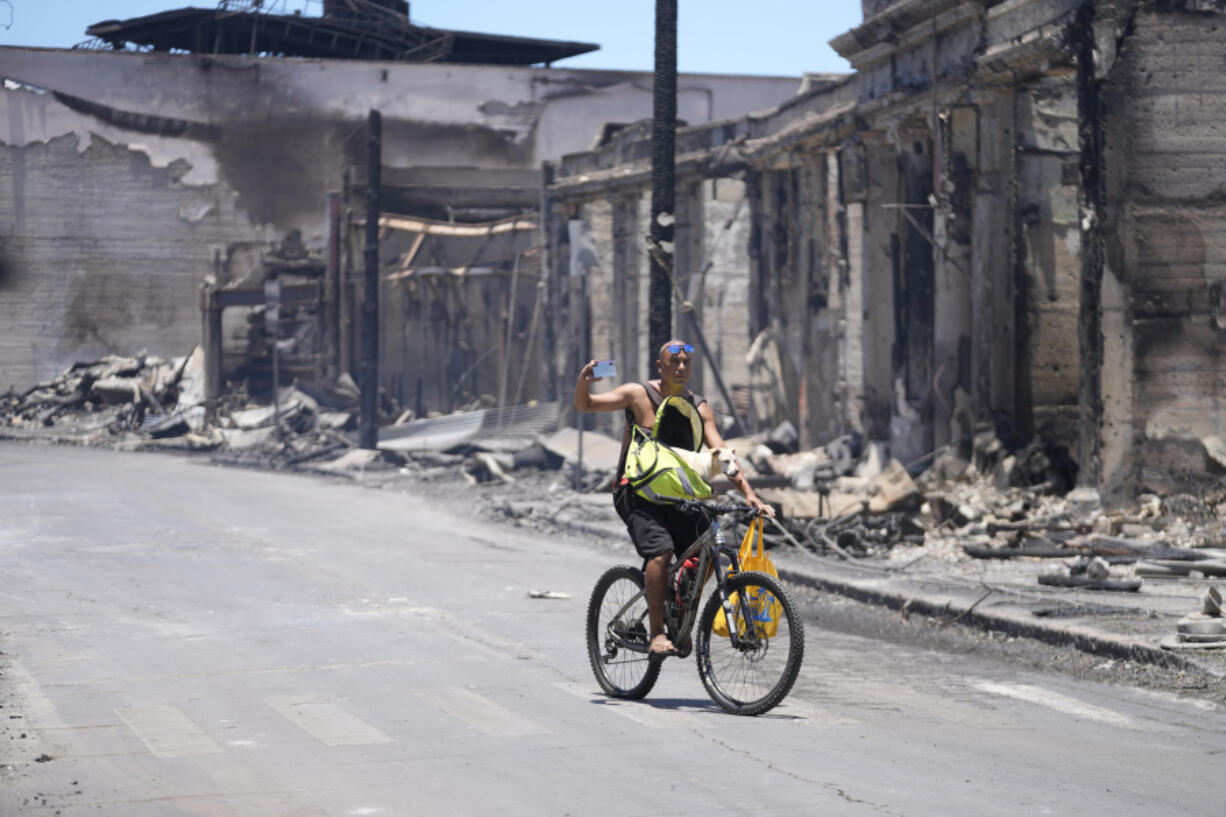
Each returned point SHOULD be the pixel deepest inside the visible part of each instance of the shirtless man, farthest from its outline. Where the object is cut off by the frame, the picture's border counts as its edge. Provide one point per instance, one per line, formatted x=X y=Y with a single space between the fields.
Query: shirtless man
x=659 y=530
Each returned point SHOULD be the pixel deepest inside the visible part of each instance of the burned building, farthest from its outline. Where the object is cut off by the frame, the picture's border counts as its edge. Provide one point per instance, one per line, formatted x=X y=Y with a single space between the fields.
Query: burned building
x=1007 y=219
x=185 y=147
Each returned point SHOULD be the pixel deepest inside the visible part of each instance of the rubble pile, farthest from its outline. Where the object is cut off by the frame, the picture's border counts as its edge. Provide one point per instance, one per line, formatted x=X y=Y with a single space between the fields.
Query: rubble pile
x=1011 y=499
x=114 y=396
x=153 y=402
x=147 y=402
x=295 y=430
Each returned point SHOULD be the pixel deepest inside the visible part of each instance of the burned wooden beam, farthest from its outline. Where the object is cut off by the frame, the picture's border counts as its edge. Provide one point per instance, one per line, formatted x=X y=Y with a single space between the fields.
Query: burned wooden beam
x=1086 y=583
x=368 y=425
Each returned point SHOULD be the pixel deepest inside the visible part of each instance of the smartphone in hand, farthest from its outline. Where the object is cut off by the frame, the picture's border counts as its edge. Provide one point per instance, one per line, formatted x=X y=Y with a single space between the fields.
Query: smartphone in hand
x=605 y=368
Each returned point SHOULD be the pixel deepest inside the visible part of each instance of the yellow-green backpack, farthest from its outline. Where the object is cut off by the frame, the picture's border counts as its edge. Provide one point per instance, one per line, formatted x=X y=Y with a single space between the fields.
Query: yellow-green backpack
x=654 y=469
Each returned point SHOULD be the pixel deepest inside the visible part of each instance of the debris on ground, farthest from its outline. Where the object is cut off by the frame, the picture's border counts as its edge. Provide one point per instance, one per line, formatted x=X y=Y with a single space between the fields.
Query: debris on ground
x=148 y=402
x=548 y=594
x=1008 y=499
x=1203 y=629
x=101 y=400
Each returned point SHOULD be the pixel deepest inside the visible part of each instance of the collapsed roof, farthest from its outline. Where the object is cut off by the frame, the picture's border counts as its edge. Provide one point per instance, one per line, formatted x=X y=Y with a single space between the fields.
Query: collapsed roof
x=347 y=29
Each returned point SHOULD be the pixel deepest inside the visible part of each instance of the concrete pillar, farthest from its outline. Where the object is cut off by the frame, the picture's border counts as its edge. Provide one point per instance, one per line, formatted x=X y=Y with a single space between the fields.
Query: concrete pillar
x=646 y=354
x=691 y=240
x=952 y=305
x=555 y=338
x=879 y=231
x=994 y=338
x=845 y=268
x=626 y=263
x=601 y=279
x=1114 y=431
x=854 y=326
x=726 y=282
x=1049 y=261
x=758 y=261
x=212 y=345
x=819 y=359
x=599 y=294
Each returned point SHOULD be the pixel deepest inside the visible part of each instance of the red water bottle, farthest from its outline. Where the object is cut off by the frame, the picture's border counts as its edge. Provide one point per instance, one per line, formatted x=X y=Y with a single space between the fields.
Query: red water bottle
x=686 y=577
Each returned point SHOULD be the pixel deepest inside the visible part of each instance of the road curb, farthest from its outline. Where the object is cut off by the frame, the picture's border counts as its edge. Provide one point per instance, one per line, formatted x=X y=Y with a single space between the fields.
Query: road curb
x=951 y=607
x=950 y=604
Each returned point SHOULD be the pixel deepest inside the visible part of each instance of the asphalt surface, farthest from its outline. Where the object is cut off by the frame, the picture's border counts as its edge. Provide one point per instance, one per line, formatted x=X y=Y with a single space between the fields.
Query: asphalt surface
x=188 y=639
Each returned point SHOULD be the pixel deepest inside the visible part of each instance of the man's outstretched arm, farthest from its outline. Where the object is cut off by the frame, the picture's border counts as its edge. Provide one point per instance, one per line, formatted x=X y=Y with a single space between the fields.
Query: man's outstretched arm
x=614 y=400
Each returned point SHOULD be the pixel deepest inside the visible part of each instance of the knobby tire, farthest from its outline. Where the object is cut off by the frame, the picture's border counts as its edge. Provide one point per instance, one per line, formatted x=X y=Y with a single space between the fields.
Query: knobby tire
x=621 y=673
x=747 y=681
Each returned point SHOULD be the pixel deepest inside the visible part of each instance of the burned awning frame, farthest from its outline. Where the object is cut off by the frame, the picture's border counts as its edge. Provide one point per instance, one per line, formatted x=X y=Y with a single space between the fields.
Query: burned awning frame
x=222 y=31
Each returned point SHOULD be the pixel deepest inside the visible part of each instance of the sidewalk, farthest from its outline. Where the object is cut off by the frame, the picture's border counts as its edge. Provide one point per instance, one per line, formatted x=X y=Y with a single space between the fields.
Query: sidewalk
x=997 y=595
x=1008 y=598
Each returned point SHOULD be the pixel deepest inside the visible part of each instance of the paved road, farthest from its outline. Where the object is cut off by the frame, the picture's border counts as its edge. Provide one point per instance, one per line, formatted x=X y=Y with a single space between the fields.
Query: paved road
x=180 y=639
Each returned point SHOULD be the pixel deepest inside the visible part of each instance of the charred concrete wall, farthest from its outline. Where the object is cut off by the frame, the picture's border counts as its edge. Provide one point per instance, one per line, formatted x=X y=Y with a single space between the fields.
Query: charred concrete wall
x=912 y=246
x=125 y=175
x=1164 y=263
x=105 y=243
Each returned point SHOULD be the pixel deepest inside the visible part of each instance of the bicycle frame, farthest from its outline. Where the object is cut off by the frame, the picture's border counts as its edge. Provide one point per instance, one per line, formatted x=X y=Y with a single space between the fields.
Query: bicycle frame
x=709 y=547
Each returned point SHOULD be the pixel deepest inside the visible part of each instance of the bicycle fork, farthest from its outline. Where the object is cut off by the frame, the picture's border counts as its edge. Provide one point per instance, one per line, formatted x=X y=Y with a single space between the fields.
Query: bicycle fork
x=721 y=577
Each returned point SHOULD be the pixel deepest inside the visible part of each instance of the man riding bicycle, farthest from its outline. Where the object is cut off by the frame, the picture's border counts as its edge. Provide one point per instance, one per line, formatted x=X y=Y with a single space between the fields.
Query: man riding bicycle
x=658 y=530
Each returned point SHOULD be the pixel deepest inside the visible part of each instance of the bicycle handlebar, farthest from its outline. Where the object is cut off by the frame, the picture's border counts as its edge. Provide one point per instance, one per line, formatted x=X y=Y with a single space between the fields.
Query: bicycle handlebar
x=718 y=510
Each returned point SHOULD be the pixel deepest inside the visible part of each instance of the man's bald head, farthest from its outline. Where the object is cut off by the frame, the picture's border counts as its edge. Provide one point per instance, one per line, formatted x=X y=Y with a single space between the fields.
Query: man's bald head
x=674 y=366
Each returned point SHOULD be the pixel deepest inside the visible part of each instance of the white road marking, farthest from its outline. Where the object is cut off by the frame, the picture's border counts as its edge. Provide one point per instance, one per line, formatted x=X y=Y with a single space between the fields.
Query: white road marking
x=862 y=695
x=469 y=635
x=482 y=640
x=167 y=731
x=811 y=714
x=326 y=722
x=1183 y=703
x=641 y=712
x=479 y=712
x=1056 y=701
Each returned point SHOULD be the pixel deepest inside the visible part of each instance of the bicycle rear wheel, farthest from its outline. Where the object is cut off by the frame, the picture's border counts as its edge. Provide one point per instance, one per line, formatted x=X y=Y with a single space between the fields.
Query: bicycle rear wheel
x=745 y=672
x=611 y=624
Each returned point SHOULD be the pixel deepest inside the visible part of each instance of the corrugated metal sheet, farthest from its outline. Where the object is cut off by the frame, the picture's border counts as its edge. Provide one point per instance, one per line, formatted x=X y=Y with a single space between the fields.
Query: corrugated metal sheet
x=507 y=428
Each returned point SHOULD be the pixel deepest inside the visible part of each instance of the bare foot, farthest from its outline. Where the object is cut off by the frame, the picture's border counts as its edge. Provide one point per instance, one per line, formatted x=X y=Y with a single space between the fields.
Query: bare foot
x=660 y=645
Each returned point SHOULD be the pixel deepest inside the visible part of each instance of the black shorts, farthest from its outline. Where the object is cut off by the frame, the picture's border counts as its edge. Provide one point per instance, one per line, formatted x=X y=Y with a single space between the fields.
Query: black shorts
x=657 y=529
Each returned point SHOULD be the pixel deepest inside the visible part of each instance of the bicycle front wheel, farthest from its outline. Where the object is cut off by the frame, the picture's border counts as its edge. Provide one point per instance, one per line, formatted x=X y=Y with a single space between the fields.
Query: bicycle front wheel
x=752 y=669
x=616 y=620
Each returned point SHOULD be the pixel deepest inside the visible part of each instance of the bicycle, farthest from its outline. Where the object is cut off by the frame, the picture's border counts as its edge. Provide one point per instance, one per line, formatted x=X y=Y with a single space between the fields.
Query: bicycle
x=746 y=672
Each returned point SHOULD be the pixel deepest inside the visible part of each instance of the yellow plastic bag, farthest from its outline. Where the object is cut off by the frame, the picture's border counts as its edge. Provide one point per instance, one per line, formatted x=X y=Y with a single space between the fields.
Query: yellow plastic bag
x=765 y=609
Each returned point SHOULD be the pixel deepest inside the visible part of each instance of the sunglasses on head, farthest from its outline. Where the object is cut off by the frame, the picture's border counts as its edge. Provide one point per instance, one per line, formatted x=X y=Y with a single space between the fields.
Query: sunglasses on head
x=675 y=348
